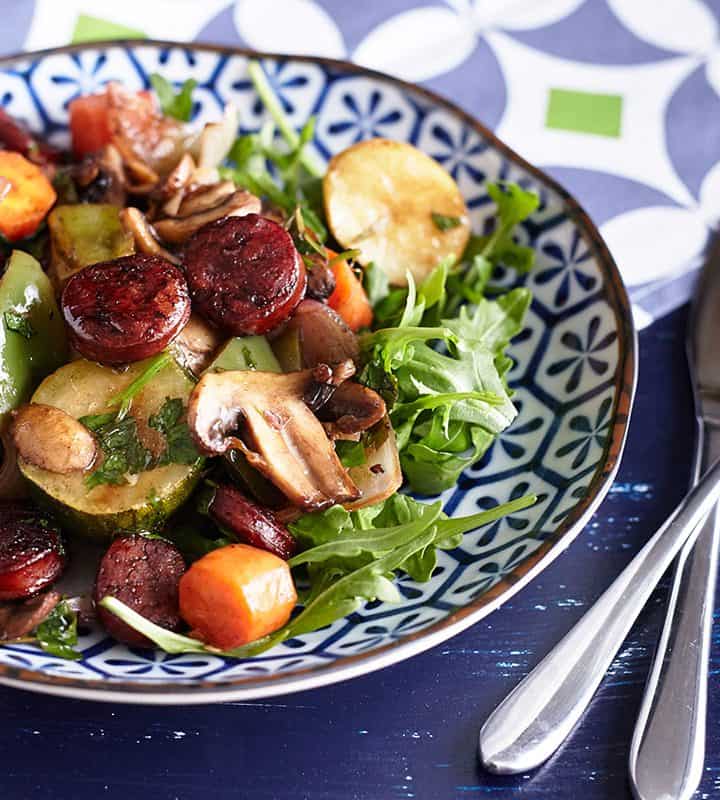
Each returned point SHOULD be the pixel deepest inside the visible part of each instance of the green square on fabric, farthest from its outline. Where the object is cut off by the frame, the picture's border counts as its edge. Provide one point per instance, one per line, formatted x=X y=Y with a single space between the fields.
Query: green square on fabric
x=584 y=112
x=94 y=29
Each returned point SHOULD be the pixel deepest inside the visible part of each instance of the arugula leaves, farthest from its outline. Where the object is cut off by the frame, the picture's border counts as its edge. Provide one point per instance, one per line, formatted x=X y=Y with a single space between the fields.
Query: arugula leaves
x=57 y=633
x=170 y=421
x=261 y=167
x=438 y=355
x=290 y=178
x=174 y=104
x=351 y=558
x=447 y=402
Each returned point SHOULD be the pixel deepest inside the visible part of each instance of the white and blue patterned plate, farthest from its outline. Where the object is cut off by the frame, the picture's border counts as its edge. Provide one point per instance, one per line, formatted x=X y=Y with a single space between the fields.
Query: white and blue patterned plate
x=575 y=373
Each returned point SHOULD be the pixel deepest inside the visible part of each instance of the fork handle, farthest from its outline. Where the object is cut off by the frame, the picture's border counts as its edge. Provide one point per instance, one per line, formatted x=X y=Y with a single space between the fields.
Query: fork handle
x=535 y=718
x=668 y=746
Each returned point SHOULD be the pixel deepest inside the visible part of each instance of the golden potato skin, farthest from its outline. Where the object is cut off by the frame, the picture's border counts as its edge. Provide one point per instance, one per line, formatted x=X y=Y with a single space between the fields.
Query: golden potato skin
x=380 y=196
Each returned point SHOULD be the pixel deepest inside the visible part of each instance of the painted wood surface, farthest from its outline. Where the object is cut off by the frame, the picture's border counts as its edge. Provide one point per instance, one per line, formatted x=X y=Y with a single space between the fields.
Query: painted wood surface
x=411 y=730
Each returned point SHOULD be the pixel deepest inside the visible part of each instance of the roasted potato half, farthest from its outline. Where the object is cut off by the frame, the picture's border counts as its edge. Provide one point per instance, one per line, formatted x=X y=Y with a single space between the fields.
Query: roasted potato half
x=383 y=197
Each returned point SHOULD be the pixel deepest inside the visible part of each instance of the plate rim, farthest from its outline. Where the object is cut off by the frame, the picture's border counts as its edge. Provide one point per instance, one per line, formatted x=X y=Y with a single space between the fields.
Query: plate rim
x=192 y=692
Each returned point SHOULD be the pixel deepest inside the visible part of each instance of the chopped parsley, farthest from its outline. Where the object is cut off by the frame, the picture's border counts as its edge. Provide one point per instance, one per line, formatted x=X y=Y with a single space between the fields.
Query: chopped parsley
x=445 y=223
x=57 y=633
x=19 y=323
x=170 y=421
x=123 y=452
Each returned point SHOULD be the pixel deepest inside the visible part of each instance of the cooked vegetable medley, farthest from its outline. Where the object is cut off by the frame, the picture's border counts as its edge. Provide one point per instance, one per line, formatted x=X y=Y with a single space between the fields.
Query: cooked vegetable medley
x=228 y=362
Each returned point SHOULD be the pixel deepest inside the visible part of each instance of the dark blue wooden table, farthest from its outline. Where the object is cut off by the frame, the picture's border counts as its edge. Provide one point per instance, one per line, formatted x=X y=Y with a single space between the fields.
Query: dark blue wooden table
x=411 y=730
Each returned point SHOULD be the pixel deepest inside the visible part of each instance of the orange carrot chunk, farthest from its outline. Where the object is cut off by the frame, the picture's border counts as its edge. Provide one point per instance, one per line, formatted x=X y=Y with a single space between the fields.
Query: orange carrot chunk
x=26 y=196
x=236 y=594
x=349 y=298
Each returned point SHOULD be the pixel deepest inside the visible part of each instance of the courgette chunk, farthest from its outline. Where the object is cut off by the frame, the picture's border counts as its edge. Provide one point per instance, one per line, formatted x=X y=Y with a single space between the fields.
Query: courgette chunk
x=84 y=388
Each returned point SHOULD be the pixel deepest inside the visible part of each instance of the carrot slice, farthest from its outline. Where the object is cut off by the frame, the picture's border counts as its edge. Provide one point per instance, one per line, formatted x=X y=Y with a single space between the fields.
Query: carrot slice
x=349 y=298
x=26 y=196
x=236 y=594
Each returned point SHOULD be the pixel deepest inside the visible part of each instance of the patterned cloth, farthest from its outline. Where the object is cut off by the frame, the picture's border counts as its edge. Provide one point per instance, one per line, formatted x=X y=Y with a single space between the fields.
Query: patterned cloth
x=618 y=99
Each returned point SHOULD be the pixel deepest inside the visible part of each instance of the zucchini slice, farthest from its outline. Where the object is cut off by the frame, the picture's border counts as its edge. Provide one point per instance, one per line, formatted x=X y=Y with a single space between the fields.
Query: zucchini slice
x=143 y=503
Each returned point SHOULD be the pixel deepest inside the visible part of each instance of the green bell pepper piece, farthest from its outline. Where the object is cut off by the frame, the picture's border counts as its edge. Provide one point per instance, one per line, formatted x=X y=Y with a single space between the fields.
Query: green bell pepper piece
x=32 y=333
x=85 y=234
x=245 y=352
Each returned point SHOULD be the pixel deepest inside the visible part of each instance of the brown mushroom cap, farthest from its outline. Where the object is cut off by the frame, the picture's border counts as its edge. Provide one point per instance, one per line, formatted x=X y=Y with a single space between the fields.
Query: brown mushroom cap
x=281 y=437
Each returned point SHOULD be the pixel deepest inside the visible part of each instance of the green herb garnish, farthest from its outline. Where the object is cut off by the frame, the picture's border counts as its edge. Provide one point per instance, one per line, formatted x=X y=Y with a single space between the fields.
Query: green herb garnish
x=123 y=452
x=57 y=633
x=19 y=323
x=445 y=223
x=178 y=104
x=170 y=421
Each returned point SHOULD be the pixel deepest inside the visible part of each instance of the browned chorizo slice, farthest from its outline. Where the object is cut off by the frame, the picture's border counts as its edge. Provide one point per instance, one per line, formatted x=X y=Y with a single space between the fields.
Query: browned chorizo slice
x=32 y=555
x=144 y=574
x=244 y=273
x=127 y=309
x=250 y=523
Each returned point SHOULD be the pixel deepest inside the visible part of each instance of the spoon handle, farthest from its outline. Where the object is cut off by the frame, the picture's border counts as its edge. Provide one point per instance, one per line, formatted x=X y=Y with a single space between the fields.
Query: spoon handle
x=536 y=717
x=668 y=747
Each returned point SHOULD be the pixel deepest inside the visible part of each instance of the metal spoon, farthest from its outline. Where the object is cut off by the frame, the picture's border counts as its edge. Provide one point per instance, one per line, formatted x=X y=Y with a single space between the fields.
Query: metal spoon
x=536 y=717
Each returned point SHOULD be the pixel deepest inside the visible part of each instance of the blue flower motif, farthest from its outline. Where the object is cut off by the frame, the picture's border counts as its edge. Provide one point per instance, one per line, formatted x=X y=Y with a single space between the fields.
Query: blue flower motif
x=590 y=432
x=378 y=633
x=154 y=661
x=453 y=152
x=491 y=572
x=586 y=351
x=568 y=265
x=577 y=494
x=515 y=522
x=86 y=80
x=512 y=439
x=368 y=120
x=283 y=82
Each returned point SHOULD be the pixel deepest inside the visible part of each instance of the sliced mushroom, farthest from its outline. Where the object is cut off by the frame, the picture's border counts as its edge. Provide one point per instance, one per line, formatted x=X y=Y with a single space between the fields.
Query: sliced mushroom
x=134 y=221
x=140 y=178
x=19 y=619
x=51 y=439
x=282 y=438
x=324 y=382
x=215 y=140
x=176 y=230
x=380 y=476
x=174 y=187
x=196 y=344
x=101 y=177
x=204 y=198
x=351 y=409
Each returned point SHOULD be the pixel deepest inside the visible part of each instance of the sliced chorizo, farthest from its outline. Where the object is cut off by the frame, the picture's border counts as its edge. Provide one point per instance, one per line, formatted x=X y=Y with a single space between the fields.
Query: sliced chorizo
x=144 y=573
x=127 y=309
x=244 y=273
x=32 y=554
x=250 y=523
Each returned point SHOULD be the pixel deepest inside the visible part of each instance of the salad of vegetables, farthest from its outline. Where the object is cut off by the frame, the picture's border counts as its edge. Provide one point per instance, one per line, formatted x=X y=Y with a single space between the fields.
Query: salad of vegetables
x=235 y=368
